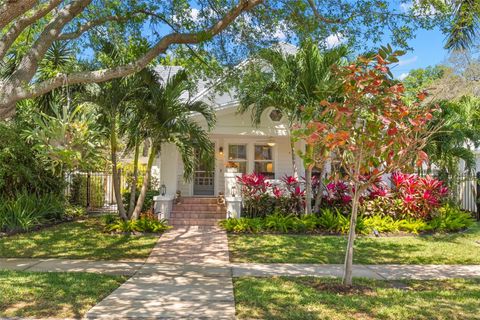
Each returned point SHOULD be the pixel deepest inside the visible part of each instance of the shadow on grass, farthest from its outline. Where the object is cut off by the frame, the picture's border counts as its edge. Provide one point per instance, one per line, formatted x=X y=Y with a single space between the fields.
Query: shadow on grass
x=80 y=239
x=459 y=248
x=300 y=298
x=59 y=295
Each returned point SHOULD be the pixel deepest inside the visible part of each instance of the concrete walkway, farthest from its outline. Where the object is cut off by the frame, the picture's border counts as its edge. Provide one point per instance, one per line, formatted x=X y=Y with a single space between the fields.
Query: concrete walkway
x=70 y=265
x=187 y=276
x=380 y=272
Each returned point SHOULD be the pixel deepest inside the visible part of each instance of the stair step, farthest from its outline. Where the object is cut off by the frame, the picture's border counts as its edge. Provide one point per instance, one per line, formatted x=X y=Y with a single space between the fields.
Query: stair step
x=198 y=207
x=198 y=200
x=198 y=215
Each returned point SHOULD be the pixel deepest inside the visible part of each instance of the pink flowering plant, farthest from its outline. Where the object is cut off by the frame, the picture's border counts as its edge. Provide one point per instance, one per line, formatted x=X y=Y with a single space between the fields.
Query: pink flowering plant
x=421 y=196
x=262 y=198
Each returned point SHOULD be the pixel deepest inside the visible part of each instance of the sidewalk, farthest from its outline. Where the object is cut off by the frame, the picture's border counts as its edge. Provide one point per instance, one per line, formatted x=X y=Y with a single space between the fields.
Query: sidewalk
x=187 y=276
x=70 y=265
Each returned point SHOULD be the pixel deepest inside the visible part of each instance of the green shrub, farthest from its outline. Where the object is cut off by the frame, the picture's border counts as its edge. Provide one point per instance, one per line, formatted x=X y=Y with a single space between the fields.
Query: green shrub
x=280 y=223
x=381 y=223
x=450 y=218
x=243 y=225
x=75 y=212
x=26 y=210
x=109 y=218
x=329 y=220
x=147 y=204
x=413 y=225
x=306 y=223
x=144 y=224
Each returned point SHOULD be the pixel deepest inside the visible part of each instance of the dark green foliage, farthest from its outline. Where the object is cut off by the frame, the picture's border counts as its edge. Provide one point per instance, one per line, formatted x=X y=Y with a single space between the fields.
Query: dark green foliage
x=450 y=218
x=27 y=211
x=20 y=170
x=147 y=204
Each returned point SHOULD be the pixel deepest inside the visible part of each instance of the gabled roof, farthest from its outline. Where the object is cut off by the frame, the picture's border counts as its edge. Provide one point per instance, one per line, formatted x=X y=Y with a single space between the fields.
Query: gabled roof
x=205 y=88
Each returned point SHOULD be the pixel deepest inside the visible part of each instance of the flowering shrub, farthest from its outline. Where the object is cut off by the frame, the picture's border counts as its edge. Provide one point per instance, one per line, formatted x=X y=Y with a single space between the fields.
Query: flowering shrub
x=420 y=195
x=410 y=195
x=261 y=198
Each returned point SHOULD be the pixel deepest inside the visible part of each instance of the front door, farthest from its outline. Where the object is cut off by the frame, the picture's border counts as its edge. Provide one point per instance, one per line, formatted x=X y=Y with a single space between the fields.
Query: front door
x=204 y=178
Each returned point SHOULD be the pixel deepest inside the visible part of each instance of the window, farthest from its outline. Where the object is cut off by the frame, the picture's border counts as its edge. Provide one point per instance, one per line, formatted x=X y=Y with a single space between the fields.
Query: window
x=237 y=157
x=263 y=161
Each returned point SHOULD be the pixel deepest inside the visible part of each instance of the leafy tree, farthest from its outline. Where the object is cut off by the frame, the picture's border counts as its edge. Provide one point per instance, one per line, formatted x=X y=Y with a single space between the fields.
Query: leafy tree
x=168 y=119
x=20 y=168
x=291 y=83
x=371 y=130
x=226 y=30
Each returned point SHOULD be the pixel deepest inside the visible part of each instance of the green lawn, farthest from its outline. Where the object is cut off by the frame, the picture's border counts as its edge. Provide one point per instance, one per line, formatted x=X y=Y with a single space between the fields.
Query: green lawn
x=77 y=240
x=460 y=248
x=59 y=295
x=317 y=298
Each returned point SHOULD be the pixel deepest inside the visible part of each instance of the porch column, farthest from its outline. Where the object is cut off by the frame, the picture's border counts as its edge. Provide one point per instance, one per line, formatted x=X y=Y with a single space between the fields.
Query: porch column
x=169 y=167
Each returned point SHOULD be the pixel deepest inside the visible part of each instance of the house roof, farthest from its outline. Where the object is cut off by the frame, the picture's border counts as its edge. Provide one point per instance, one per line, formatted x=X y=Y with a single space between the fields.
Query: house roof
x=205 y=88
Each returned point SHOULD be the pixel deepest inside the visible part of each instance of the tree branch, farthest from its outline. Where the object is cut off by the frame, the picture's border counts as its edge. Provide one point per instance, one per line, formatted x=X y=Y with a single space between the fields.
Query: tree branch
x=13 y=93
x=18 y=26
x=320 y=17
x=29 y=64
x=94 y=23
x=12 y=9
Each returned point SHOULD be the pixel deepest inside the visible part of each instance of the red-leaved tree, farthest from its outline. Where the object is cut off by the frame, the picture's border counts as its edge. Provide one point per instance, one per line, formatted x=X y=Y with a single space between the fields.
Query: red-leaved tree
x=370 y=130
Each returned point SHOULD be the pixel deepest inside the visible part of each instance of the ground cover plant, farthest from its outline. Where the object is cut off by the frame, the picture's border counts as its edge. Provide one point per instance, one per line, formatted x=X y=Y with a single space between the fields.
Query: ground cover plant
x=318 y=298
x=53 y=294
x=85 y=239
x=147 y=223
x=441 y=248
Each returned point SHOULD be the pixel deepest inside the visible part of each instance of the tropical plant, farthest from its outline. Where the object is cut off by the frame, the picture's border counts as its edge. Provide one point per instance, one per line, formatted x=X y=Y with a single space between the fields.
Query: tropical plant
x=168 y=119
x=451 y=218
x=291 y=83
x=21 y=169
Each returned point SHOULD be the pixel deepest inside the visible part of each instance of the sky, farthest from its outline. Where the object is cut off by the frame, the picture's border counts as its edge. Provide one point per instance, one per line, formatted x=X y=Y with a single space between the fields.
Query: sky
x=427 y=51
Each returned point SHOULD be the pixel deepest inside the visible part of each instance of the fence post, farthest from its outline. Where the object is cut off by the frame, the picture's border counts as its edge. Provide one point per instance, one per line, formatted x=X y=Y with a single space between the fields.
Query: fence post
x=88 y=190
x=477 y=200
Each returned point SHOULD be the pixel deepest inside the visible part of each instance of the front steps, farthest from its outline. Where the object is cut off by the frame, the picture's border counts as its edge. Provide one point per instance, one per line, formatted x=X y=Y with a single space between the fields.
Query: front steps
x=196 y=211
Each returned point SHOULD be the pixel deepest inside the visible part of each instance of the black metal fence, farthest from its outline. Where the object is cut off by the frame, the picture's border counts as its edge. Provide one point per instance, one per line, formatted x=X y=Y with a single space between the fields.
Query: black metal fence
x=93 y=190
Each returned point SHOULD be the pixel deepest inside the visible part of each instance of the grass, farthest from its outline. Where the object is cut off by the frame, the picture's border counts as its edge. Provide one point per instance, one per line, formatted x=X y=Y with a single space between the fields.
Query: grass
x=59 y=295
x=459 y=248
x=77 y=240
x=317 y=298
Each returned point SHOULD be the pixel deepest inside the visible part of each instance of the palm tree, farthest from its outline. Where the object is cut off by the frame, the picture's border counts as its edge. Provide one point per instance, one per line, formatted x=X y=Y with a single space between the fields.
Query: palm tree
x=291 y=83
x=111 y=100
x=168 y=119
x=459 y=133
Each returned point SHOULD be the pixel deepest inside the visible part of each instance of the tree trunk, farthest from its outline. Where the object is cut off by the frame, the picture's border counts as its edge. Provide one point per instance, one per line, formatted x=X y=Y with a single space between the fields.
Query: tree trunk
x=318 y=197
x=308 y=190
x=294 y=162
x=146 y=182
x=308 y=181
x=347 y=276
x=133 y=187
x=115 y=172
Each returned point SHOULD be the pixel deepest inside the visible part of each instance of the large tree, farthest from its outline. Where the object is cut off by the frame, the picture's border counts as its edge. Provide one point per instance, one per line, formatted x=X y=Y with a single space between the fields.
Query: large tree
x=29 y=28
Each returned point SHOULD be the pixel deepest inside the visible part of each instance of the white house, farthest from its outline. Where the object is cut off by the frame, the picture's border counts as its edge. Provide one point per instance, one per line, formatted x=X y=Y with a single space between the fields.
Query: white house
x=238 y=143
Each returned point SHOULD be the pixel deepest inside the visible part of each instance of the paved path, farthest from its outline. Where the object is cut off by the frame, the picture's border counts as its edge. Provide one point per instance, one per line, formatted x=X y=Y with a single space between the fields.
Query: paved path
x=381 y=272
x=187 y=276
x=70 y=265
